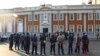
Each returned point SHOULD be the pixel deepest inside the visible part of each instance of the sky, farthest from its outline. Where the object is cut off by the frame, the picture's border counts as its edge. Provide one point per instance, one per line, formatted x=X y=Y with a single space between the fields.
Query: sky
x=6 y=4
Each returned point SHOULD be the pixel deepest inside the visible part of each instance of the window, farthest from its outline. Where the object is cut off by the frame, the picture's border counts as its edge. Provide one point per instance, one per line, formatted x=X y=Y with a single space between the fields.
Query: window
x=30 y=28
x=61 y=16
x=46 y=18
x=79 y=16
x=61 y=27
x=71 y=28
x=71 y=16
x=29 y=17
x=98 y=16
x=90 y=16
x=79 y=28
x=35 y=28
x=55 y=28
x=97 y=28
x=36 y=17
x=90 y=28
x=55 y=16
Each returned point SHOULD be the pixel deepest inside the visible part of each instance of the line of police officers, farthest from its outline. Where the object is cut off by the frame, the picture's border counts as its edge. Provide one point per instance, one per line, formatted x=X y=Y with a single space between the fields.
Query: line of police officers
x=24 y=41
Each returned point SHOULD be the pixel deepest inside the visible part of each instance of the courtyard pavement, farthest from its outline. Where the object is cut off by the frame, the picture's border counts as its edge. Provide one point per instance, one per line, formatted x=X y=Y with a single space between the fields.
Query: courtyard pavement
x=94 y=47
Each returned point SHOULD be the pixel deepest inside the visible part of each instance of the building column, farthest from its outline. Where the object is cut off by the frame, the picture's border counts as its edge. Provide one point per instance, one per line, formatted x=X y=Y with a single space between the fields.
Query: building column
x=14 y=24
x=84 y=22
x=66 y=22
x=50 y=20
x=4 y=25
x=32 y=22
x=25 y=24
x=40 y=21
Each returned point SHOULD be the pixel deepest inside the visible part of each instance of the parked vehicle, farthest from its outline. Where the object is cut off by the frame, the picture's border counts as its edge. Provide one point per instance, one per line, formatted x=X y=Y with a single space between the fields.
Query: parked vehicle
x=4 y=38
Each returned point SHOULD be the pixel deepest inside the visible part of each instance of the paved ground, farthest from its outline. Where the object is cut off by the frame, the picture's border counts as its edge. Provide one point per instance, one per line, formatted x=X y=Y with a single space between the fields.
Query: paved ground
x=94 y=50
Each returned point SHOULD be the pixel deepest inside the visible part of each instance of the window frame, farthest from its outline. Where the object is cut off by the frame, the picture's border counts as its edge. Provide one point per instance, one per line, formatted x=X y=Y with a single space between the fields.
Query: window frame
x=30 y=28
x=79 y=16
x=30 y=17
x=71 y=15
x=61 y=16
x=35 y=28
x=79 y=27
x=97 y=27
x=91 y=28
x=97 y=16
x=36 y=16
x=62 y=27
x=55 y=28
x=70 y=29
x=55 y=18
x=90 y=16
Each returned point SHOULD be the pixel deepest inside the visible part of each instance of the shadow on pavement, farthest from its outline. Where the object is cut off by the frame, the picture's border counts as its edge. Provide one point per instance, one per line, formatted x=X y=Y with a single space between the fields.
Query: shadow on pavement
x=3 y=43
x=21 y=53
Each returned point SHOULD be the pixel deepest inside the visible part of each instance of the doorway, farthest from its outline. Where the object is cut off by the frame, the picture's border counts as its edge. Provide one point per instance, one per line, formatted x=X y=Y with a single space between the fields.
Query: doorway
x=45 y=30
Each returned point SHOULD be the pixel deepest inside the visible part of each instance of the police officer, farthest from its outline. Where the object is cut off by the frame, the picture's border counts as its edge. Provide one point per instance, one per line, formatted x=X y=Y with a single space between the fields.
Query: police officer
x=77 y=47
x=53 y=40
x=22 y=40
x=11 y=42
x=85 y=43
x=60 y=40
x=43 y=43
x=66 y=35
x=17 y=41
x=70 y=41
x=34 y=44
x=27 y=43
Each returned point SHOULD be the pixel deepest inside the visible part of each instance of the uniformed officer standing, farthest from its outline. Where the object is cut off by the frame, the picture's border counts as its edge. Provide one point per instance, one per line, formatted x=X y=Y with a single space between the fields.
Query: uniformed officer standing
x=66 y=35
x=78 y=42
x=11 y=42
x=70 y=41
x=22 y=40
x=60 y=40
x=34 y=44
x=53 y=40
x=17 y=41
x=85 y=43
x=43 y=43
x=27 y=43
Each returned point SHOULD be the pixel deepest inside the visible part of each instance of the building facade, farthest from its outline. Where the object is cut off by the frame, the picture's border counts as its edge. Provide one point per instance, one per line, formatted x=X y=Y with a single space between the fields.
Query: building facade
x=48 y=18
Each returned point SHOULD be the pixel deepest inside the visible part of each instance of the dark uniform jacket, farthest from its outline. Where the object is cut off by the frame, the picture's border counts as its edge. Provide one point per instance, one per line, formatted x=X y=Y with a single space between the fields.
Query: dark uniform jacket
x=53 y=39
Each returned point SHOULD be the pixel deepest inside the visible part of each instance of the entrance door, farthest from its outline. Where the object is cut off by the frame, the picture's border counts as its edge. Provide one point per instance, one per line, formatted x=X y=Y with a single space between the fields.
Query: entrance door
x=45 y=30
x=20 y=26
